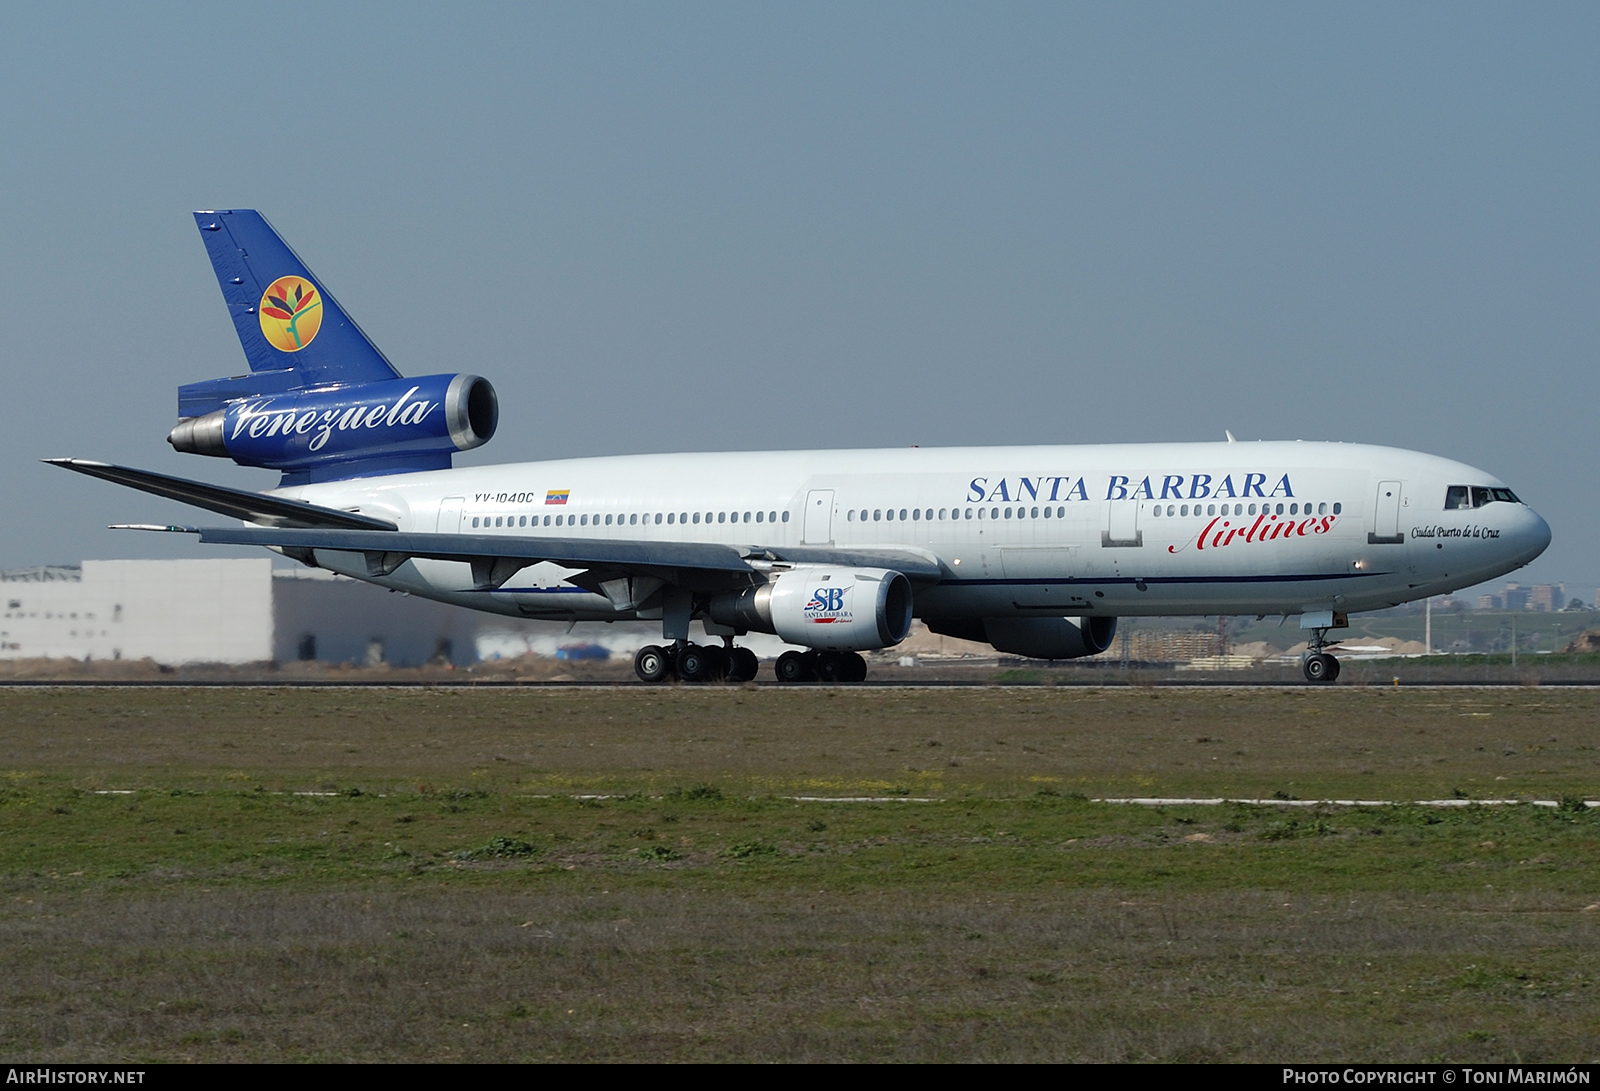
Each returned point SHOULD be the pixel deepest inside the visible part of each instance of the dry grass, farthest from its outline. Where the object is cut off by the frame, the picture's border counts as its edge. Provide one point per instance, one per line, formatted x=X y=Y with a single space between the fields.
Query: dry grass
x=453 y=901
x=685 y=974
x=1336 y=743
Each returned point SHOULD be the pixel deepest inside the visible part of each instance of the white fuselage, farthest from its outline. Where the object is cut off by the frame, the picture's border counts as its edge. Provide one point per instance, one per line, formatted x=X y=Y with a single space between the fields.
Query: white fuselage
x=1123 y=530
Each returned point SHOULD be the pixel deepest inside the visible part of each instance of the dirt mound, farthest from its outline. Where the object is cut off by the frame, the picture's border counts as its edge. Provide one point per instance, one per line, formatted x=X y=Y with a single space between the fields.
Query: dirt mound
x=1584 y=642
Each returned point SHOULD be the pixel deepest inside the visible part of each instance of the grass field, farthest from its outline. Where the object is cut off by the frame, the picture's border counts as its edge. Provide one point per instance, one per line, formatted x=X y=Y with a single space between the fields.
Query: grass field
x=413 y=874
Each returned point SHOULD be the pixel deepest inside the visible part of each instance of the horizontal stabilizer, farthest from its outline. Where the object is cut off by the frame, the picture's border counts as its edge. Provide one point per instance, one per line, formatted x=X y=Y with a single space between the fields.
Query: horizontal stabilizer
x=198 y=399
x=273 y=511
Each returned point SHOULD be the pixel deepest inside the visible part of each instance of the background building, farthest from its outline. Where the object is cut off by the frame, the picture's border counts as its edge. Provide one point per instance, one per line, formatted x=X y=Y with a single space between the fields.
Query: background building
x=318 y=615
x=223 y=611
x=212 y=611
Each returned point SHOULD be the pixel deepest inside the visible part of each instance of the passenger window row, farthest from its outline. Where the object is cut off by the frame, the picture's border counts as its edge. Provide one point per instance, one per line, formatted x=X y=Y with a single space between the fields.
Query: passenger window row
x=944 y=514
x=889 y=514
x=631 y=519
x=1243 y=509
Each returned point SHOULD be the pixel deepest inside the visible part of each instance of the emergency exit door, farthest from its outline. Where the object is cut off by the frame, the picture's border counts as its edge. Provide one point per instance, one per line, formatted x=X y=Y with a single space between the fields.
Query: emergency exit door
x=450 y=515
x=819 y=517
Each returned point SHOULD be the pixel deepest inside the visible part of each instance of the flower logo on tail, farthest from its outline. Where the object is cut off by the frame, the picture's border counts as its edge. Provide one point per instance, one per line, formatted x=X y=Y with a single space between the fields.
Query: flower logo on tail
x=290 y=313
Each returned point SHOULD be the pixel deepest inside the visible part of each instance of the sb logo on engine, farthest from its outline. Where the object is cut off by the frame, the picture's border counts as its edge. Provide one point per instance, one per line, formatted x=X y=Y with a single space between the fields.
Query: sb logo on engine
x=827 y=604
x=290 y=313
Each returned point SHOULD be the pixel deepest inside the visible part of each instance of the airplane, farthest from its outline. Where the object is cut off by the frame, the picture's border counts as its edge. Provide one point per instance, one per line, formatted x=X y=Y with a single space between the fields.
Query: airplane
x=1036 y=551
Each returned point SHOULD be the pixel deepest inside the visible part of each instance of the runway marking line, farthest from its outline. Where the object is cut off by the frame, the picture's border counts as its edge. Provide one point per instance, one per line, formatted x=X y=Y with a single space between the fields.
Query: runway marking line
x=1134 y=801
x=1143 y=801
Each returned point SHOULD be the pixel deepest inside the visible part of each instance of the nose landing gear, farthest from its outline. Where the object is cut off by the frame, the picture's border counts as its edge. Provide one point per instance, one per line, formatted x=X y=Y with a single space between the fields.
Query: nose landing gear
x=1318 y=666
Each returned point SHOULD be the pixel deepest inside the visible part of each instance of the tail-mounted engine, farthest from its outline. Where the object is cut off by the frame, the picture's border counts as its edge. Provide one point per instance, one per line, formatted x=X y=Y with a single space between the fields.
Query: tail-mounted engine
x=816 y=606
x=320 y=403
x=319 y=433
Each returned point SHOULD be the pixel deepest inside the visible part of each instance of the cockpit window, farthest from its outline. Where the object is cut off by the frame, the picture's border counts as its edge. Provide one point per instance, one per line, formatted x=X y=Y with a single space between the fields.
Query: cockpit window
x=1476 y=496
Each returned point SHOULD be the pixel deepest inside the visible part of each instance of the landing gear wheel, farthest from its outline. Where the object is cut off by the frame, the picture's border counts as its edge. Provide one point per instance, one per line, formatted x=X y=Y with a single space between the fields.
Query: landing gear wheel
x=830 y=667
x=692 y=663
x=651 y=664
x=716 y=662
x=853 y=668
x=743 y=666
x=1320 y=668
x=1333 y=669
x=794 y=667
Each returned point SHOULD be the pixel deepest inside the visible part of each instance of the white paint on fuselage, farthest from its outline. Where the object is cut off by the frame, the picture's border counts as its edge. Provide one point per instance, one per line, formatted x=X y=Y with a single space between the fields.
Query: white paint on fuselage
x=1021 y=565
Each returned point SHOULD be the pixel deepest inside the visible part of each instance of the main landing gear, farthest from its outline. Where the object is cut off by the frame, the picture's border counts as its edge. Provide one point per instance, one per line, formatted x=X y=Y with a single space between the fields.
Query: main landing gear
x=693 y=663
x=1318 y=666
x=814 y=666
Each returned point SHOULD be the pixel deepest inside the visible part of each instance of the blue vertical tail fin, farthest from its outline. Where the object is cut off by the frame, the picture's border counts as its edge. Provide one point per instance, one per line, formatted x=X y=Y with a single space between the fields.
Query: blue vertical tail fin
x=294 y=333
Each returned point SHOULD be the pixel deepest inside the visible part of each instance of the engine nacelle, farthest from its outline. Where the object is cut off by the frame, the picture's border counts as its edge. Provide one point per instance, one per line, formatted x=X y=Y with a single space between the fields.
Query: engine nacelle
x=821 y=606
x=416 y=422
x=1034 y=637
x=1051 y=637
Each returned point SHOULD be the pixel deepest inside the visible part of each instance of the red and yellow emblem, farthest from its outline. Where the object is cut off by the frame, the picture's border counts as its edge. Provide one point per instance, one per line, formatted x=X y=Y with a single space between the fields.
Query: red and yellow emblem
x=291 y=313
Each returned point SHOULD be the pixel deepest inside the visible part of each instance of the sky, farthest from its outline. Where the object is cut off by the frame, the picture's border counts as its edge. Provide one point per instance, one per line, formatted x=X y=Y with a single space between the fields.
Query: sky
x=751 y=226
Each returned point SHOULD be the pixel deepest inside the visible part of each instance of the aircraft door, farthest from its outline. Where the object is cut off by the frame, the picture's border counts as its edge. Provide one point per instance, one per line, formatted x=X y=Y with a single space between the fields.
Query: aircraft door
x=1386 y=524
x=819 y=517
x=1122 y=524
x=450 y=515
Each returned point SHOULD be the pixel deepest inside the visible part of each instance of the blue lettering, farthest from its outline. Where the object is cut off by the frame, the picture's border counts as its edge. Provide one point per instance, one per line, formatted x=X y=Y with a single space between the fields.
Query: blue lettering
x=976 y=491
x=1172 y=487
x=1000 y=491
x=1024 y=483
x=1082 y=493
x=1282 y=484
x=1225 y=487
x=1253 y=483
x=1118 y=489
x=1056 y=484
x=1144 y=491
x=1200 y=487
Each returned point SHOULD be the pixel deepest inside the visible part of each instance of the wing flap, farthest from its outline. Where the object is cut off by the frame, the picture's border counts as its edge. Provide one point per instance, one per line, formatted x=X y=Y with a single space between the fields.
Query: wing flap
x=914 y=565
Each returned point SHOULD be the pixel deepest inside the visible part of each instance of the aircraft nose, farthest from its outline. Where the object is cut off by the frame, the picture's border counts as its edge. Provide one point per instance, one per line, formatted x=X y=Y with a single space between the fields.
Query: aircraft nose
x=1532 y=536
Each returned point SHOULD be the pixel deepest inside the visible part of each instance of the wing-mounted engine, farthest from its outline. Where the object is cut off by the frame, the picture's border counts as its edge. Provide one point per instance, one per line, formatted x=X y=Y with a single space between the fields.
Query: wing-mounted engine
x=1033 y=637
x=349 y=430
x=819 y=606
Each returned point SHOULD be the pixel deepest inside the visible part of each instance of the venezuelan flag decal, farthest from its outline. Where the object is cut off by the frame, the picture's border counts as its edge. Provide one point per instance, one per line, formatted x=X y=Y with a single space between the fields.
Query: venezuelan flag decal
x=557 y=496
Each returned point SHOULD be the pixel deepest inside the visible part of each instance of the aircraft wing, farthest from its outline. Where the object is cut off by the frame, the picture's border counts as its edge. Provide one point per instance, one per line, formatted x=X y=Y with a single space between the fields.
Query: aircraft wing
x=496 y=557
